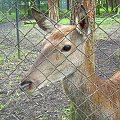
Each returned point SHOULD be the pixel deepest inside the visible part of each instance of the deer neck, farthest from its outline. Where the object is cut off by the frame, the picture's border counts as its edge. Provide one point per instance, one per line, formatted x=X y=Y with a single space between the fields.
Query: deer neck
x=74 y=83
x=89 y=52
x=85 y=72
x=76 y=89
x=89 y=58
x=78 y=85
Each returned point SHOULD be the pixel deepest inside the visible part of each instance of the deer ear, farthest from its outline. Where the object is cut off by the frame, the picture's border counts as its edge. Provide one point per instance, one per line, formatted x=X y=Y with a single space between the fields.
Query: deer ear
x=44 y=22
x=82 y=20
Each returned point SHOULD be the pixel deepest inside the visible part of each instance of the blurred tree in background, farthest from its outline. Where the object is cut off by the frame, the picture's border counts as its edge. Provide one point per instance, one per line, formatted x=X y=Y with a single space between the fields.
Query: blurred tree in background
x=54 y=8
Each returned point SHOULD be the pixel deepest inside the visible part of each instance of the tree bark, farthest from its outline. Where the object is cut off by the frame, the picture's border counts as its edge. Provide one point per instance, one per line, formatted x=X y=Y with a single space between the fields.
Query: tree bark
x=10 y=6
x=114 y=4
x=98 y=7
x=68 y=4
x=53 y=6
x=90 y=43
x=106 y=5
x=89 y=46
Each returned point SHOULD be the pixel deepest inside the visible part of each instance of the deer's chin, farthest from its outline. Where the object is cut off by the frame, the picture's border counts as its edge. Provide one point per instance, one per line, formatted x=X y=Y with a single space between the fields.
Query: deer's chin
x=43 y=84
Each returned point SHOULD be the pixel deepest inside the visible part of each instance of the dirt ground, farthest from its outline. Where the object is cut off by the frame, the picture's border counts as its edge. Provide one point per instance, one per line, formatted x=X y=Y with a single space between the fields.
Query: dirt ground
x=50 y=102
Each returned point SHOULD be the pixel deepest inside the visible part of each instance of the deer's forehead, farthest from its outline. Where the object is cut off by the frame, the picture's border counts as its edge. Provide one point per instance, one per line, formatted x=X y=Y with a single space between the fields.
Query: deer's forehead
x=60 y=33
x=58 y=36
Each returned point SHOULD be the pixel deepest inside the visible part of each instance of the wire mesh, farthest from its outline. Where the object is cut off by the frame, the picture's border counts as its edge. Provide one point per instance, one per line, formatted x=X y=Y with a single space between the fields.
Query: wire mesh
x=51 y=102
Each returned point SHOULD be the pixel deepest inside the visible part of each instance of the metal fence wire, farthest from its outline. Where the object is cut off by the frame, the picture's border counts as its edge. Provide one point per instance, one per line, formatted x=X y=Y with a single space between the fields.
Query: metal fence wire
x=22 y=41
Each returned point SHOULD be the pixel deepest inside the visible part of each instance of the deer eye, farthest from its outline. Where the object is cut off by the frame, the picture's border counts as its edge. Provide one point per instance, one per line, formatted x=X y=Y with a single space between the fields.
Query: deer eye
x=66 y=48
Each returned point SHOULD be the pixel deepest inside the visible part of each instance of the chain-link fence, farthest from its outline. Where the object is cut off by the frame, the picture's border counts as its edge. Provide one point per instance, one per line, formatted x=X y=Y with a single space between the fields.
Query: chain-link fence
x=22 y=41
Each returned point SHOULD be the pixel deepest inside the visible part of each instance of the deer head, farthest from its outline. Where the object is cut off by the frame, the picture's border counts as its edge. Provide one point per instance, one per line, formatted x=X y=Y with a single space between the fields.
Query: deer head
x=61 y=53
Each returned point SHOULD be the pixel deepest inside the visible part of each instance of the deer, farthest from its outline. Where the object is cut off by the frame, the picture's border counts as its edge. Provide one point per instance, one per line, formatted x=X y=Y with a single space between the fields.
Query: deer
x=63 y=57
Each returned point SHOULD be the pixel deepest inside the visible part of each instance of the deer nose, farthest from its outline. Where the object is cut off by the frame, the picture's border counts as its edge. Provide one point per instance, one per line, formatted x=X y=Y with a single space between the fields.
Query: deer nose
x=26 y=85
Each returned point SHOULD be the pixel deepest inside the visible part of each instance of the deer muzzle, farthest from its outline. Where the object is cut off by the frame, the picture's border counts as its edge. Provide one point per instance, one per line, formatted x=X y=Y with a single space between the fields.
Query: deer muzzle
x=26 y=85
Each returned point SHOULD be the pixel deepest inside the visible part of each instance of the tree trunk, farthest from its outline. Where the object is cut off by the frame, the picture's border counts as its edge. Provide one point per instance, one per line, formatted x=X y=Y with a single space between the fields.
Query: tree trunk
x=38 y=3
x=68 y=4
x=72 y=8
x=3 y=6
x=106 y=5
x=114 y=4
x=89 y=46
x=98 y=7
x=10 y=6
x=90 y=43
x=53 y=9
x=31 y=3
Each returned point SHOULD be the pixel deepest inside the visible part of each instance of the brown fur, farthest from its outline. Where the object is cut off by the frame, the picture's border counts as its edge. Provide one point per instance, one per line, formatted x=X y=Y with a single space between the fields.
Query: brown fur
x=60 y=33
x=104 y=94
x=98 y=99
x=107 y=92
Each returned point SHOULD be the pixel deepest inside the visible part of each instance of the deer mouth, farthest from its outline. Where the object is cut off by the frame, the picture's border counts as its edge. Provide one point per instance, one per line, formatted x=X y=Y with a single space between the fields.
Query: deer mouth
x=29 y=86
x=26 y=85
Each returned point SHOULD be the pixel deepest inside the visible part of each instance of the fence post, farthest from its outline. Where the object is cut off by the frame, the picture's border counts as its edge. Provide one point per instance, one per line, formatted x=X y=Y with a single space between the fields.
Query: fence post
x=17 y=28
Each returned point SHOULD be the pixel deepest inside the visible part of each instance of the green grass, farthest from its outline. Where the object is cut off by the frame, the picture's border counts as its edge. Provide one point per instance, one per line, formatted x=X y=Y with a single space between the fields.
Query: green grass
x=103 y=11
x=66 y=114
x=14 y=55
x=61 y=21
x=2 y=106
x=108 y=20
x=1 y=59
x=99 y=20
x=64 y=21
x=72 y=112
x=6 y=17
x=117 y=53
x=69 y=113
